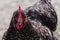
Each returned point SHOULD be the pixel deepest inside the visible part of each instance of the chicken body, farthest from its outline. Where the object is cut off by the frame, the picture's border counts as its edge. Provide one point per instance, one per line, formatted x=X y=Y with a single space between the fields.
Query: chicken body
x=41 y=21
x=30 y=31
x=44 y=12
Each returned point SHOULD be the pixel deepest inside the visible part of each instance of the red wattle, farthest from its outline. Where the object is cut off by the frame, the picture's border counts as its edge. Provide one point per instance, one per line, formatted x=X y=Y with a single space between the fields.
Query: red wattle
x=18 y=26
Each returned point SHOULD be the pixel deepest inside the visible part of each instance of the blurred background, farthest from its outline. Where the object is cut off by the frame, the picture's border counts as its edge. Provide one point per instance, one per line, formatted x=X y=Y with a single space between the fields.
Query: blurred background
x=7 y=7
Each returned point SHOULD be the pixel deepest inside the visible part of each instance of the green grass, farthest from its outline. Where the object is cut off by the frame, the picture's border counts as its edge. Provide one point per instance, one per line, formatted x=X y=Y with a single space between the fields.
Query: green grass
x=58 y=27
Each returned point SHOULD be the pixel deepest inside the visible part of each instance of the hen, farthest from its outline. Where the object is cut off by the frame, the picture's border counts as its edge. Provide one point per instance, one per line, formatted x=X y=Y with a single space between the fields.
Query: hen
x=36 y=22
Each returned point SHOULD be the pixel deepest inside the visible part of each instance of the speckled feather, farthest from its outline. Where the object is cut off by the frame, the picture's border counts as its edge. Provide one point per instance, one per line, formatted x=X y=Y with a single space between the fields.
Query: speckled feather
x=41 y=21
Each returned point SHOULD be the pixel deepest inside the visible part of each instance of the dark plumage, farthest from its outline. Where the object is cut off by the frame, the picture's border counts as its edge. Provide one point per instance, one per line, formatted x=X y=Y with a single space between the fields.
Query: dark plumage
x=41 y=20
x=44 y=12
x=27 y=32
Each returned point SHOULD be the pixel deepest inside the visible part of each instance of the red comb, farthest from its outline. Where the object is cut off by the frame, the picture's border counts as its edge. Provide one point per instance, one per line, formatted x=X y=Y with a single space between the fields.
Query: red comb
x=20 y=19
x=19 y=10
